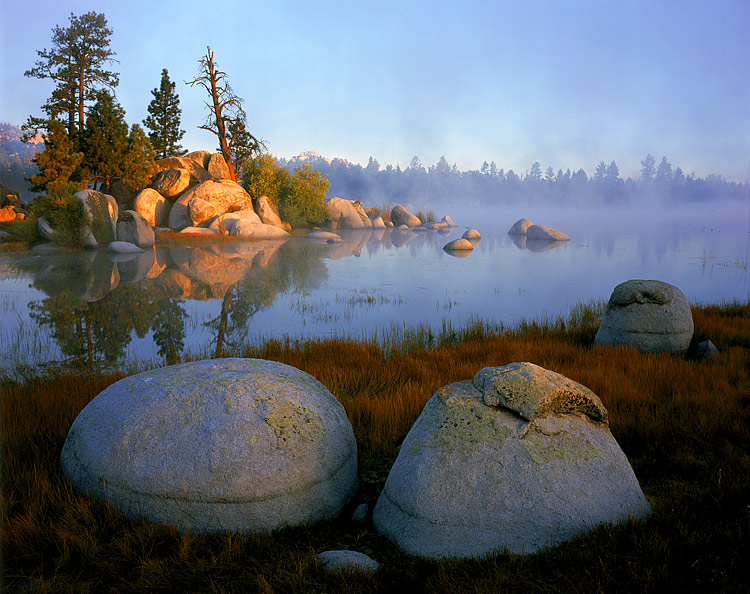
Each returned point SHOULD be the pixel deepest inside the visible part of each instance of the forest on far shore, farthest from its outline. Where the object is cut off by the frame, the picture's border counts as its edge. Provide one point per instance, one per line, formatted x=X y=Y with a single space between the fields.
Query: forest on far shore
x=445 y=185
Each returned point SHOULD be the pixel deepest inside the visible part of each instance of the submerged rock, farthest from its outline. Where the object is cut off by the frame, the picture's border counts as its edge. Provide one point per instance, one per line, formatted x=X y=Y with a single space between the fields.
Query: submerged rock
x=228 y=444
x=518 y=459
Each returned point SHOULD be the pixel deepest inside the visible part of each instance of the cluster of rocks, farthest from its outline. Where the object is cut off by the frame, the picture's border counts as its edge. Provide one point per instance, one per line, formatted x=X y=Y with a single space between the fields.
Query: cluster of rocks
x=532 y=232
x=11 y=207
x=250 y=445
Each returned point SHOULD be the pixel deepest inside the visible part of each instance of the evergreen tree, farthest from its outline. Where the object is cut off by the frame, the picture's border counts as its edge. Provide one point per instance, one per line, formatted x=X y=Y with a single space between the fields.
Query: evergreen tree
x=105 y=141
x=138 y=165
x=58 y=163
x=664 y=171
x=648 y=168
x=164 y=119
x=77 y=65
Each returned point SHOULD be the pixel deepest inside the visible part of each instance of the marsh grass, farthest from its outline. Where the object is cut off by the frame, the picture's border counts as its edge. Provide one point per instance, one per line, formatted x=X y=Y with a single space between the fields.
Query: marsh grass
x=684 y=425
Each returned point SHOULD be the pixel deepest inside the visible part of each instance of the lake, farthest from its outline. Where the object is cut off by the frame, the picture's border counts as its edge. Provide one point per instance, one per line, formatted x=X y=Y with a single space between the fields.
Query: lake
x=59 y=308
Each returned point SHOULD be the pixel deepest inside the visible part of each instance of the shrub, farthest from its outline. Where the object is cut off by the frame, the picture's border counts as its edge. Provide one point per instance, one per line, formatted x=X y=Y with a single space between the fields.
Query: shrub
x=63 y=211
x=303 y=204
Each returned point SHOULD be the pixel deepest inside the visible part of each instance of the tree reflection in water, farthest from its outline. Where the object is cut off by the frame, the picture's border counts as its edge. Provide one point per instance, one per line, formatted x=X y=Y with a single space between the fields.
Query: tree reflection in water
x=97 y=304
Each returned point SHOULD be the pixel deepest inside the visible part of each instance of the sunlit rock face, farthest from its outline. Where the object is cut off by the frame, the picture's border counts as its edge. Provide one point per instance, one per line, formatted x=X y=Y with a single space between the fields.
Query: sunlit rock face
x=198 y=171
x=401 y=216
x=651 y=315
x=171 y=182
x=217 y=167
x=227 y=444
x=518 y=459
x=345 y=214
x=222 y=197
x=152 y=206
x=268 y=213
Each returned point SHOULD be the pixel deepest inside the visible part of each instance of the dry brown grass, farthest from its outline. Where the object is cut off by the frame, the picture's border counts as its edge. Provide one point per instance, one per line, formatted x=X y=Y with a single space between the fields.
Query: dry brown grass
x=684 y=424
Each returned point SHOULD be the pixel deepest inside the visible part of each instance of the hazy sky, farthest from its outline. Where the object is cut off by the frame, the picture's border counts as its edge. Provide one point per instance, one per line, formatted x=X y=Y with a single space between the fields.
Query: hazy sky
x=564 y=82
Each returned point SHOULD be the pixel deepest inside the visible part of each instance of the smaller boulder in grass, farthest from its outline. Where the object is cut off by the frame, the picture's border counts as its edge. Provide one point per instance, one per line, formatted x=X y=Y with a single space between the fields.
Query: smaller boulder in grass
x=348 y=561
x=651 y=315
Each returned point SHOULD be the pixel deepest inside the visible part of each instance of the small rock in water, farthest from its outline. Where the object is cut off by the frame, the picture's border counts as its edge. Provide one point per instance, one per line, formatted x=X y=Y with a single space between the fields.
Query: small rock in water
x=472 y=234
x=459 y=245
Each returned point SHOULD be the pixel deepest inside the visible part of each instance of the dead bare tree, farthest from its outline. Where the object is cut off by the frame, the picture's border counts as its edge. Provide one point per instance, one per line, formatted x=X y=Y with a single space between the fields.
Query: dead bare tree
x=226 y=118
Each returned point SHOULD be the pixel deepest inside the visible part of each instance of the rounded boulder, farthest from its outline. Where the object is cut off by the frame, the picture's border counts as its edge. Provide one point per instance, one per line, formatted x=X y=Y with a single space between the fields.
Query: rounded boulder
x=244 y=445
x=651 y=315
x=518 y=459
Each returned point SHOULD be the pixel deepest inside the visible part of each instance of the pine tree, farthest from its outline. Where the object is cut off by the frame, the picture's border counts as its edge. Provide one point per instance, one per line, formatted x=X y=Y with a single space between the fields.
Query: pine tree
x=76 y=63
x=105 y=141
x=164 y=119
x=58 y=163
x=138 y=164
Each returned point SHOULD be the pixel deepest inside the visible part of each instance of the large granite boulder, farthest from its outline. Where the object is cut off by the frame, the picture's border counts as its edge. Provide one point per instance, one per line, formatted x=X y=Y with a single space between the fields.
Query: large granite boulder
x=200 y=157
x=518 y=459
x=223 y=196
x=346 y=214
x=102 y=211
x=520 y=227
x=227 y=444
x=224 y=224
x=171 y=182
x=217 y=167
x=651 y=315
x=545 y=233
x=152 y=206
x=401 y=216
x=133 y=228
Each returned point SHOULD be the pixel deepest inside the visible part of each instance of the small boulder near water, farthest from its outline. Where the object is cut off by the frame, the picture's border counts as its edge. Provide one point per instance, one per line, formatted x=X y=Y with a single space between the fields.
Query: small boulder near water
x=472 y=234
x=228 y=444
x=518 y=459
x=401 y=216
x=520 y=227
x=651 y=315
x=459 y=245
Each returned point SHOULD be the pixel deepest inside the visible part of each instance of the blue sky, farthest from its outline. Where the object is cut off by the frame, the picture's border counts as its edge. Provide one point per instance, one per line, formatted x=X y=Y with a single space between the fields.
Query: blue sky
x=564 y=82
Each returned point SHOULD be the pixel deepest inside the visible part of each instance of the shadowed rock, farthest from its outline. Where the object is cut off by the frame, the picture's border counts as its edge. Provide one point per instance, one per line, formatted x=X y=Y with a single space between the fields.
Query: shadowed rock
x=230 y=444
x=651 y=315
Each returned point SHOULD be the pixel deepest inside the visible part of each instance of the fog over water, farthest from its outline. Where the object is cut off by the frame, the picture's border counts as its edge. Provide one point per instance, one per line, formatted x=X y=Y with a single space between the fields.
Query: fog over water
x=68 y=307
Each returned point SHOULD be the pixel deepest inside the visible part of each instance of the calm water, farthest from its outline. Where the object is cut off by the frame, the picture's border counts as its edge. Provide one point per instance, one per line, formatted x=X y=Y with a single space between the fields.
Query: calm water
x=59 y=307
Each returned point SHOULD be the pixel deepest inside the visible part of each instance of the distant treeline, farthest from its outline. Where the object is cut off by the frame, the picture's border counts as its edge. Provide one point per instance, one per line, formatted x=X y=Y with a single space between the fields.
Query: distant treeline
x=444 y=184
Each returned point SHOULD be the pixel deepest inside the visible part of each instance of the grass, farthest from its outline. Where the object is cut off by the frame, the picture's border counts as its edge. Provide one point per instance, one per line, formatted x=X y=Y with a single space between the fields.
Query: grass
x=684 y=425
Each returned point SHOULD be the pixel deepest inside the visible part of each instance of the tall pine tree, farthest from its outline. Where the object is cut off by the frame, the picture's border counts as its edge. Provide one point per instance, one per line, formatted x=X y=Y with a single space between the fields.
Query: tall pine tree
x=58 y=163
x=77 y=65
x=138 y=165
x=164 y=119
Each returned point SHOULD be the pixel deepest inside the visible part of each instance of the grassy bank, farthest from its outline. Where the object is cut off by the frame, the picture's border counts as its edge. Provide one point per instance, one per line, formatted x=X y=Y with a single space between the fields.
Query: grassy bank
x=684 y=425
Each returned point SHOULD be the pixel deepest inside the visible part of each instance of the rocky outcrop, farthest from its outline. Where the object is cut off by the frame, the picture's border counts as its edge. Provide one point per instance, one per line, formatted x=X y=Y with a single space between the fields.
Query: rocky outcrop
x=545 y=233
x=222 y=196
x=346 y=214
x=152 y=206
x=198 y=173
x=132 y=227
x=653 y=316
x=200 y=157
x=170 y=183
x=219 y=445
x=518 y=459
x=401 y=216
